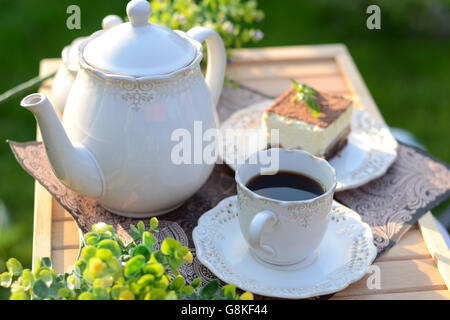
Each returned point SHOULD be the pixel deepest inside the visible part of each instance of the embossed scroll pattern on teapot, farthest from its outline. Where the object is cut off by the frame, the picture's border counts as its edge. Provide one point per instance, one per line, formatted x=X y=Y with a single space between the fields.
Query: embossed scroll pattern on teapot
x=137 y=83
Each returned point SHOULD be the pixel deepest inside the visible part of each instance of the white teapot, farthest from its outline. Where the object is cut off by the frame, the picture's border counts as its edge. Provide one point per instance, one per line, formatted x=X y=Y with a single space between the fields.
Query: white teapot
x=138 y=82
x=65 y=77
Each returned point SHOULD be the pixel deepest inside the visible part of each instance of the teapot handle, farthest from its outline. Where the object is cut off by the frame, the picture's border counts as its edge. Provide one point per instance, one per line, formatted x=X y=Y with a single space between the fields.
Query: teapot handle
x=217 y=60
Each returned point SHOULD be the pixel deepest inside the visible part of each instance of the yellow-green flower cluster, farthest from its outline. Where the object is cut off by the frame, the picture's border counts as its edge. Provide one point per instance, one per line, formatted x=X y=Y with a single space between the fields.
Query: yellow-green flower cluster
x=234 y=20
x=109 y=269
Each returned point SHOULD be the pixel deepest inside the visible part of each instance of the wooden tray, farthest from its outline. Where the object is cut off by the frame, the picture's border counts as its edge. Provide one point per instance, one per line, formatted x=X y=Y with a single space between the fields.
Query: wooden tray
x=418 y=267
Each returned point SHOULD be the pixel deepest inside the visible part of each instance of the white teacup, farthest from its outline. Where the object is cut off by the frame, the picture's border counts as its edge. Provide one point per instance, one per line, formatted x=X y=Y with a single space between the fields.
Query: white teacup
x=284 y=232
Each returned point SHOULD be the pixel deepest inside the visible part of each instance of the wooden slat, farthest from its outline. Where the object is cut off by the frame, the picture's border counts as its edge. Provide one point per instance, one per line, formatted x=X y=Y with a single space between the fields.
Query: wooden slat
x=297 y=53
x=43 y=200
x=42 y=224
x=437 y=246
x=284 y=69
x=64 y=259
x=411 y=246
x=400 y=276
x=65 y=235
x=275 y=86
x=59 y=214
x=412 y=295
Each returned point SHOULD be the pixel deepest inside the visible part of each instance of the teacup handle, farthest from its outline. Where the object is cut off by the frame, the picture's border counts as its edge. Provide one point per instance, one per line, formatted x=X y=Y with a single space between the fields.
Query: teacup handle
x=259 y=221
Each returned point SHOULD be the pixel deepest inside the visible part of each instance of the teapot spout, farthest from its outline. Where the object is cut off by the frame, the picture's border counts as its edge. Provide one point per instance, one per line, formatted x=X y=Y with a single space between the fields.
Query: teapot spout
x=74 y=165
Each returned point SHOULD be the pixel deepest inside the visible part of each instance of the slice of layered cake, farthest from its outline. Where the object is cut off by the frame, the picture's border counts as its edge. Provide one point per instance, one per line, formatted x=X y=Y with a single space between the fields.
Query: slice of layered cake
x=320 y=128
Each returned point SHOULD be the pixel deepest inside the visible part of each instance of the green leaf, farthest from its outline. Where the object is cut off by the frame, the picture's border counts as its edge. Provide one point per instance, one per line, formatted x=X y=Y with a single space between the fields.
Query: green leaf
x=100 y=293
x=155 y=268
x=312 y=104
x=88 y=252
x=158 y=294
x=79 y=267
x=141 y=227
x=86 y=296
x=113 y=263
x=40 y=289
x=162 y=283
x=196 y=282
x=296 y=85
x=187 y=290
x=116 y=290
x=229 y=291
x=134 y=266
x=64 y=293
x=175 y=264
x=306 y=94
x=46 y=262
x=146 y=280
x=169 y=246
x=171 y=295
x=149 y=240
x=177 y=283
x=91 y=238
x=73 y=282
x=5 y=279
x=153 y=223
x=27 y=279
x=157 y=256
x=141 y=250
x=14 y=267
x=181 y=253
x=46 y=276
x=135 y=233
x=310 y=91
x=96 y=268
x=111 y=245
x=53 y=290
x=210 y=289
x=104 y=254
x=19 y=295
x=119 y=242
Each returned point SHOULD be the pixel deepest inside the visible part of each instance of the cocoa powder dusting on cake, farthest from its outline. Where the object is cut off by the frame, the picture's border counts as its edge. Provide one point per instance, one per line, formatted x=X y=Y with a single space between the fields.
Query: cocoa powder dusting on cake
x=331 y=107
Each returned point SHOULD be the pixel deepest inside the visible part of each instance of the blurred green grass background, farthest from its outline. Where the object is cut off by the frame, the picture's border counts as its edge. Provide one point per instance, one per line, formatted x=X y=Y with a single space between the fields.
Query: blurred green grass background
x=406 y=66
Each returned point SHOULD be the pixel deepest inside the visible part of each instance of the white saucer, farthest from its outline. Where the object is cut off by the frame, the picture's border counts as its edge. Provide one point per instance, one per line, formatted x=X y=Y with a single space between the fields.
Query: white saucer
x=370 y=151
x=343 y=257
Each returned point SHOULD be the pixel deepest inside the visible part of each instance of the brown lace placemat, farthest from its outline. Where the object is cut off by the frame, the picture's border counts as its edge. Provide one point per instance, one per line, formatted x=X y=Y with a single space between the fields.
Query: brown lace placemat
x=414 y=184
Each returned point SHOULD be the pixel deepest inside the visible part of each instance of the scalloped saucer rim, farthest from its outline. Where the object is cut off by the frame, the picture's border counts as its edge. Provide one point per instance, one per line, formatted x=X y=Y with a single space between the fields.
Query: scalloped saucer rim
x=344 y=255
x=370 y=151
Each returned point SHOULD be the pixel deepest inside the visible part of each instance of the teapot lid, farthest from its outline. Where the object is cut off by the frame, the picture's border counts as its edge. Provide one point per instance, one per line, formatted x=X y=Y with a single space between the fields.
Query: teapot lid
x=139 y=48
x=70 y=52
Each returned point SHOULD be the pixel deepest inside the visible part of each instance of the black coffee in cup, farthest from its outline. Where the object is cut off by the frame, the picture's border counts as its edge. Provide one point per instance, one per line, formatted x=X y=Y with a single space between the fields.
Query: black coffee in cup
x=286 y=186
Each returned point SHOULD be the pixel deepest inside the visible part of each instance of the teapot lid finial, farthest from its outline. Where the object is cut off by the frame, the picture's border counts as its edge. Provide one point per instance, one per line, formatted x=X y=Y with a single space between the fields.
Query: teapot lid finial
x=139 y=12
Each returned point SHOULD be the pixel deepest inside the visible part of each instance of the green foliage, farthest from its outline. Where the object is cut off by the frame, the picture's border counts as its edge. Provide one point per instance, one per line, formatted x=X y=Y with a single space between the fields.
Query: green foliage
x=308 y=95
x=234 y=20
x=14 y=267
x=108 y=269
x=418 y=17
